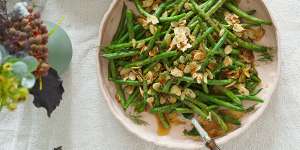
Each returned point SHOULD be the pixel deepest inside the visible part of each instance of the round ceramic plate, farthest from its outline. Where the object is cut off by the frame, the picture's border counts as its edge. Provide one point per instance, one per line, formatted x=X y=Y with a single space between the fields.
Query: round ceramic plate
x=269 y=72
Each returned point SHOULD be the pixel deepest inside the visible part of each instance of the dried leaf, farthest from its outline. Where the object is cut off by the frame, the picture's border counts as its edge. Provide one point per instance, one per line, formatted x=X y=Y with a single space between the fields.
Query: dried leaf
x=50 y=94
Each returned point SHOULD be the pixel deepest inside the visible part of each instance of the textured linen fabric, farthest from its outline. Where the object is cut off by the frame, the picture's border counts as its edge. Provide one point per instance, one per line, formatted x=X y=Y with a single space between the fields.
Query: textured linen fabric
x=83 y=121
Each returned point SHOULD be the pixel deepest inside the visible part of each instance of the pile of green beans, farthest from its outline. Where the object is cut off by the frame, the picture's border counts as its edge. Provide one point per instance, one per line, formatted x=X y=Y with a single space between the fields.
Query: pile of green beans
x=150 y=74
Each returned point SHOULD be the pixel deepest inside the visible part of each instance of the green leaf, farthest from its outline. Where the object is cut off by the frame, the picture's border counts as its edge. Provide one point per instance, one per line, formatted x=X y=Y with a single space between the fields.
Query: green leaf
x=31 y=63
x=28 y=81
x=20 y=68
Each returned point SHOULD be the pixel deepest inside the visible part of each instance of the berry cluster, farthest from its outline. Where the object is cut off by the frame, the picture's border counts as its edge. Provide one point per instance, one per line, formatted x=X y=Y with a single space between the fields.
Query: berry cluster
x=29 y=34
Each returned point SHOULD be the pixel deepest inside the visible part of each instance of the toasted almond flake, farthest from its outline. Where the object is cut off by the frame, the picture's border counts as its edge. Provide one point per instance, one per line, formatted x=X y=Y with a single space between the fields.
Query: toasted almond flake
x=175 y=90
x=238 y=28
x=132 y=76
x=231 y=19
x=181 y=59
x=176 y=72
x=231 y=84
x=150 y=101
x=242 y=89
x=227 y=61
x=152 y=19
x=144 y=48
x=222 y=32
x=156 y=86
x=141 y=91
x=189 y=93
x=195 y=66
x=153 y=52
x=168 y=39
x=165 y=14
x=255 y=33
x=187 y=69
x=152 y=29
x=157 y=67
x=246 y=71
x=162 y=100
x=205 y=77
x=180 y=39
x=140 y=44
x=187 y=6
x=199 y=56
x=172 y=99
x=179 y=23
x=192 y=38
x=129 y=89
x=149 y=77
x=242 y=78
x=139 y=77
x=147 y=3
x=143 y=22
x=134 y=43
x=151 y=92
x=181 y=66
x=125 y=71
x=210 y=75
x=228 y=49
x=209 y=117
x=198 y=77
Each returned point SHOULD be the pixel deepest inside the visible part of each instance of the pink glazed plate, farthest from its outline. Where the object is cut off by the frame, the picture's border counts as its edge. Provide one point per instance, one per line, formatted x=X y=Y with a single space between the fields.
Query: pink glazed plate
x=269 y=72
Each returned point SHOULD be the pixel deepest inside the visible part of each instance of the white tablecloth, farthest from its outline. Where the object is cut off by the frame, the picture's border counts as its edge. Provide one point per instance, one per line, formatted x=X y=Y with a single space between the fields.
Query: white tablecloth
x=83 y=121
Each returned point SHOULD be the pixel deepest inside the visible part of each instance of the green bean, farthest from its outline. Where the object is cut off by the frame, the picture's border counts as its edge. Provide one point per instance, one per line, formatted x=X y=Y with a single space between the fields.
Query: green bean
x=219 y=120
x=250 y=98
x=164 y=109
x=196 y=109
x=141 y=9
x=219 y=102
x=120 y=92
x=205 y=88
x=179 y=7
x=232 y=120
x=127 y=82
x=131 y=98
x=167 y=87
x=129 y=15
x=246 y=16
x=125 y=37
x=194 y=19
x=152 y=41
x=121 y=26
x=247 y=45
x=153 y=59
x=231 y=36
x=119 y=55
x=209 y=82
x=207 y=5
x=114 y=47
x=164 y=121
x=164 y=43
x=145 y=89
x=215 y=7
x=183 y=110
x=172 y=18
x=200 y=38
x=196 y=30
x=161 y=8
x=214 y=50
x=230 y=94
x=148 y=68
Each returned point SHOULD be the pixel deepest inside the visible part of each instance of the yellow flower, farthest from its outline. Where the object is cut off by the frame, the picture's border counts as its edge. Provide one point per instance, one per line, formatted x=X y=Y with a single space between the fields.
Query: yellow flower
x=7 y=67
